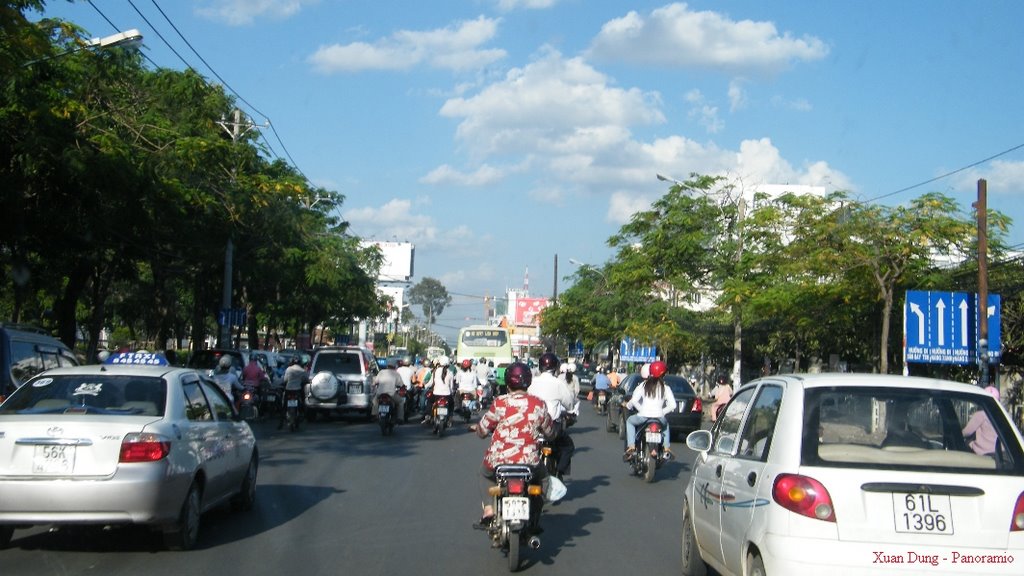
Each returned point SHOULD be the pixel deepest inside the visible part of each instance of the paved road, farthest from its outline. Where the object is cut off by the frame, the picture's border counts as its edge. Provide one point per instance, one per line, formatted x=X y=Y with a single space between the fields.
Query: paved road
x=337 y=497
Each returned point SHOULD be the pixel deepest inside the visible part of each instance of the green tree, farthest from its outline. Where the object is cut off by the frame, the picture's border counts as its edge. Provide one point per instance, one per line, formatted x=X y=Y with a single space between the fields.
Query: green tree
x=432 y=297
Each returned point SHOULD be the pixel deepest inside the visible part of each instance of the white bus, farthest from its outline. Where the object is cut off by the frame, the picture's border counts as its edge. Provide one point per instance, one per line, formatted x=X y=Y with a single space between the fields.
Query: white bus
x=493 y=343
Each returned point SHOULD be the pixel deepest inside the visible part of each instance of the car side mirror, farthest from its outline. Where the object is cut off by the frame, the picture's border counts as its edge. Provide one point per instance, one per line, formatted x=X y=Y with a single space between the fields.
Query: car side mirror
x=699 y=440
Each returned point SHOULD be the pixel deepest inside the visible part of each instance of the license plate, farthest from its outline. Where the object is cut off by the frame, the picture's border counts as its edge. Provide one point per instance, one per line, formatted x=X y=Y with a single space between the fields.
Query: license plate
x=53 y=460
x=654 y=438
x=293 y=403
x=271 y=397
x=917 y=513
x=442 y=411
x=383 y=409
x=515 y=508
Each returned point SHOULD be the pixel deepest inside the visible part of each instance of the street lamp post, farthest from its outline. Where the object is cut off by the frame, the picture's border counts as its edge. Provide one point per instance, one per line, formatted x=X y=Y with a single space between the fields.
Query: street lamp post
x=126 y=39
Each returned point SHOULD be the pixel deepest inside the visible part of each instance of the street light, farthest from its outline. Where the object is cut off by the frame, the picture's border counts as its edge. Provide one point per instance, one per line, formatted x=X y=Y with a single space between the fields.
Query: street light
x=126 y=39
x=667 y=179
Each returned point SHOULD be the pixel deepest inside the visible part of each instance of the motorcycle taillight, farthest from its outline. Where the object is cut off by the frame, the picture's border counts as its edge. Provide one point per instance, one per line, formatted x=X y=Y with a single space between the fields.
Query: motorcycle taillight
x=654 y=427
x=516 y=486
x=442 y=401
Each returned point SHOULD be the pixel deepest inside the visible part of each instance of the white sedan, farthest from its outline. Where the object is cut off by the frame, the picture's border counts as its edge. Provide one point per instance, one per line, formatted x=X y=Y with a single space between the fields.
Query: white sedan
x=856 y=474
x=122 y=443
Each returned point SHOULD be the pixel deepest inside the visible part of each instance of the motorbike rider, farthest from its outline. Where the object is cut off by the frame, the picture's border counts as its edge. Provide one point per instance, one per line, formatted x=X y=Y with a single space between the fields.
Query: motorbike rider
x=517 y=422
x=440 y=384
x=420 y=380
x=295 y=377
x=226 y=378
x=466 y=382
x=484 y=376
x=722 y=392
x=561 y=405
x=602 y=382
x=253 y=374
x=652 y=399
x=387 y=382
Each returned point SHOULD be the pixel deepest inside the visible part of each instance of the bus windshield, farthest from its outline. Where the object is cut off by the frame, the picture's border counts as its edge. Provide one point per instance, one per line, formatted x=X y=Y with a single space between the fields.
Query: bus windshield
x=485 y=342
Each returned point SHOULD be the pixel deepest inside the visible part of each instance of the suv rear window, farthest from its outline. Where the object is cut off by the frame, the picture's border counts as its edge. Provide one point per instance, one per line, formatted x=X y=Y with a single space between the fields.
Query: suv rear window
x=339 y=363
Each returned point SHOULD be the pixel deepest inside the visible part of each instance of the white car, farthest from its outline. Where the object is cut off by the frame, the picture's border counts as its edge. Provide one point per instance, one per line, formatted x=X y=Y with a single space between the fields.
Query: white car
x=856 y=474
x=122 y=443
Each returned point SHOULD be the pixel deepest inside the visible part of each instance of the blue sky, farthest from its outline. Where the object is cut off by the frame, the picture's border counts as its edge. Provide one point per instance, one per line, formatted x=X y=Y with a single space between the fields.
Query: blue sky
x=497 y=134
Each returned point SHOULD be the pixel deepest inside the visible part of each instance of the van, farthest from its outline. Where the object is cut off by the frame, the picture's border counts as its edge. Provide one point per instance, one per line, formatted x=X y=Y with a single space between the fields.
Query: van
x=354 y=369
x=26 y=351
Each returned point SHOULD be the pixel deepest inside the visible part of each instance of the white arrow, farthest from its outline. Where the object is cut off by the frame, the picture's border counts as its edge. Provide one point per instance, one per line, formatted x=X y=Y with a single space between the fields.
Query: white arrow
x=915 y=309
x=963 y=323
x=942 y=322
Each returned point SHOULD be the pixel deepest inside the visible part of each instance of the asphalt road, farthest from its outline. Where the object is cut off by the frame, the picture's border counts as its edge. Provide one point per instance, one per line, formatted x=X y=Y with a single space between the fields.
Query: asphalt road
x=338 y=497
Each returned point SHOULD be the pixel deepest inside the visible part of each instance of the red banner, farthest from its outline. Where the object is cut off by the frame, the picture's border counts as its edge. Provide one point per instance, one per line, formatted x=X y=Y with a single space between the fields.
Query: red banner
x=527 y=310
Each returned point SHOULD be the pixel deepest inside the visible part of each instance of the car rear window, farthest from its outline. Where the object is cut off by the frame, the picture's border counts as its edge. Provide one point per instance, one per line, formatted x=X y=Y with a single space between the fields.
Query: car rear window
x=907 y=429
x=679 y=386
x=89 y=394
x=338 y=363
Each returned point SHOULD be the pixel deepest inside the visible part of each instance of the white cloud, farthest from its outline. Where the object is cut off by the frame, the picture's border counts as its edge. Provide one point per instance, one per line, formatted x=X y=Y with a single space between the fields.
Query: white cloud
x=737 y=96
x=796 y=104
x=397 y=219
x=456 y=47
x=245 y=12
x=675 y=36
x=447 y=175
x=622 y=206
x=509 y=5
x=1003 y=177
x=703 y=113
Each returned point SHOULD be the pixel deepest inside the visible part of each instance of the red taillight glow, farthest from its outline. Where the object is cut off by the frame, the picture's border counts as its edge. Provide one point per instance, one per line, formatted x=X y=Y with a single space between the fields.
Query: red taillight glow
x=654 y=427
x=516 y=486
x=1017 y=521
x=138 y=447
x=698 y=406
x=442 y=401
x=803 y=495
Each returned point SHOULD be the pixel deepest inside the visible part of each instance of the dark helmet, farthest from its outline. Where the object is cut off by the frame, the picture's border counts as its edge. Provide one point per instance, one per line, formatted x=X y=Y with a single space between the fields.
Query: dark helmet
x=549 y=362
x=518 y=376
x=658 y=369
x=294 y=360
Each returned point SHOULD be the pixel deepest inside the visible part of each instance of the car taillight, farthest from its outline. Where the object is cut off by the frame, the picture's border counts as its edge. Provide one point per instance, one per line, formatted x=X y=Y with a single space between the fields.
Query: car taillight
x=698 y=406
x=144 y=447
x=803 y=495
x=516 y=486
x=1017 y=521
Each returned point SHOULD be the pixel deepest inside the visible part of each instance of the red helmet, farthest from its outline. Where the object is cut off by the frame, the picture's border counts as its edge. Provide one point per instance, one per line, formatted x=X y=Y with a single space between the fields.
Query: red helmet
x=518 y=376
x=466 y=364
x=549 y=362
x=658 y=369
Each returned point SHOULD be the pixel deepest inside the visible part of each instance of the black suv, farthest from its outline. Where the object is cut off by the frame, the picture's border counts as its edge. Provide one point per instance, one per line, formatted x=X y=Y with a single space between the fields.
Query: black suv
x=26 y=351
x=354 y=370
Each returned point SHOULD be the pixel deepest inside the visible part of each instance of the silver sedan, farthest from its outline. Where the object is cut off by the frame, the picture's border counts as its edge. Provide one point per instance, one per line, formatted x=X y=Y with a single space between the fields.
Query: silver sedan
x=115 y=444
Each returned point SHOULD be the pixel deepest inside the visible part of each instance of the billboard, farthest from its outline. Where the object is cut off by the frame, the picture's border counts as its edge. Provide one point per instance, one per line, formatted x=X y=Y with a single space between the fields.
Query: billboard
x=398 y=260
x=528 y=309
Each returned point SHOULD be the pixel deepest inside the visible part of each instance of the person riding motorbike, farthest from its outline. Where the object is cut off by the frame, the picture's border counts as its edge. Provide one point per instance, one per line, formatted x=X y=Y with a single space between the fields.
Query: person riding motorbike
x=723 y=393
x=387 y=382
x=517 y=423
x=440 y=384
x=226 y=378
x=601 y=382
x=652 y=399
x=561 y=405
x=406 y=372
x=295 y=377
x=466 y=381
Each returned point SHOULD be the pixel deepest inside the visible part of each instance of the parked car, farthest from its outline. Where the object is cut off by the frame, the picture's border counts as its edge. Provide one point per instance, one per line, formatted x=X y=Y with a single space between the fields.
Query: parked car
x=122 y=443
x=684 y=419
x=351 y=390
x=855 y=474
x=26 y=351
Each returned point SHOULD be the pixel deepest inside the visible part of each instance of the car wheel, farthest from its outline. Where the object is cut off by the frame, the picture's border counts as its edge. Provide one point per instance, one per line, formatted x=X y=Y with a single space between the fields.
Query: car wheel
x=755 y=566
x=184 y=533
x=246 y=497
x=6 y=533
x=693 y=564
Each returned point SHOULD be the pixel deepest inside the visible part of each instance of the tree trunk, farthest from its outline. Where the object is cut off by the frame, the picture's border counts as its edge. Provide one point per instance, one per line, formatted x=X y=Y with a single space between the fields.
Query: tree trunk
x=886 y=316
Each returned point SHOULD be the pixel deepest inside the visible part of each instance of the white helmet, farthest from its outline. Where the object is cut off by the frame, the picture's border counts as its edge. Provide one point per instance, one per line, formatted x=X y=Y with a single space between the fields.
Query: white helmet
x=563 y=368
x=645 y=371
x=444 y=361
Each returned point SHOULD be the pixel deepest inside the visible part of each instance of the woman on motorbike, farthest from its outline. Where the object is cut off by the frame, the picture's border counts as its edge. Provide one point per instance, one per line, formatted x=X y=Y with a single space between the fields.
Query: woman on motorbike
x=652 y=399
x=723 y=393
x=518 y=423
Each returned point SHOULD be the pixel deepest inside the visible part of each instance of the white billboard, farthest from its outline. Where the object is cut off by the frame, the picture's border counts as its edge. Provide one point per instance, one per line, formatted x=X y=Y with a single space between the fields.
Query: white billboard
x=398 y=260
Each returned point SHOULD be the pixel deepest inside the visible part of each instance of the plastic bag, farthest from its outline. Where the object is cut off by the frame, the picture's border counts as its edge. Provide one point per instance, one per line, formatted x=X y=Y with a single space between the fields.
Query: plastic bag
x=590 y=396
x=554 y=489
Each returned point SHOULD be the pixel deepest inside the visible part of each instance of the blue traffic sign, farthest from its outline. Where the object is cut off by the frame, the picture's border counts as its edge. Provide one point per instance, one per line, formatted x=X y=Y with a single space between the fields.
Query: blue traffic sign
x=630 y=351
x=942 y=327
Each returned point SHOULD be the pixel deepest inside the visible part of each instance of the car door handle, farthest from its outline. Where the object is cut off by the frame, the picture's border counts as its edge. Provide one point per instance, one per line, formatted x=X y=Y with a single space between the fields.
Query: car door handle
x=751 y=479
x=718 y=471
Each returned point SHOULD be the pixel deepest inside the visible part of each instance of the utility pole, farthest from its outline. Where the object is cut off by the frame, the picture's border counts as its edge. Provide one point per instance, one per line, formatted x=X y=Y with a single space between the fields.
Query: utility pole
x=981 y=207
x=236 y=129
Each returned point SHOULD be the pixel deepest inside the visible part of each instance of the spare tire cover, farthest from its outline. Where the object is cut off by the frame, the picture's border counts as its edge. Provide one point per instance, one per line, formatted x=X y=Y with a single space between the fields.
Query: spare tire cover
x=324 y=386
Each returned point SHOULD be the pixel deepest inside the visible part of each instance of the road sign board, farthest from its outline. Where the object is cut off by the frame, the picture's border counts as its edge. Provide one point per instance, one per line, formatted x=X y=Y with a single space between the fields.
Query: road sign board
x=630 y=351
x=942 y=327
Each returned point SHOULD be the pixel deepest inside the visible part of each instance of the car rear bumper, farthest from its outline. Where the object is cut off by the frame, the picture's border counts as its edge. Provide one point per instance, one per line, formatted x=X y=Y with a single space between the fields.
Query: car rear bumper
x=354 y=403
x=798 y=556
x=136 y=494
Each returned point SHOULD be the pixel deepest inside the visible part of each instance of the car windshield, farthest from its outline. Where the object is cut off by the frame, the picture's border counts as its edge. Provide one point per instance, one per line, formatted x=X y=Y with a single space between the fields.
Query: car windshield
x=907 y=429
x=89 y=394
x=339 y=363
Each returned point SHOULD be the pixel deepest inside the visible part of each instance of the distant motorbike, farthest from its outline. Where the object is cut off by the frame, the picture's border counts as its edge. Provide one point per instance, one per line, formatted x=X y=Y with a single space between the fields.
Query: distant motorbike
x=248 y=402
x=441 y=415
x=386 y=414
x=601 y=402
x=292 y=403
x=405 y=394
x=518 y=502
x=268 y=399
x=468 y=405
x=648 y=449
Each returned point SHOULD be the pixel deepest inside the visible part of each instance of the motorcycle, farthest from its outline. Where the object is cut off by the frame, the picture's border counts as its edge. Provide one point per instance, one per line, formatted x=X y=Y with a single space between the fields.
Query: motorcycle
x=247 y=404
x=517 y=506
x=268 y=395
x=408 y=397
x=386 y=414
x=441 y=417
x=468 y=405
x=648 y=449
x=602 y=402
x=292 y=413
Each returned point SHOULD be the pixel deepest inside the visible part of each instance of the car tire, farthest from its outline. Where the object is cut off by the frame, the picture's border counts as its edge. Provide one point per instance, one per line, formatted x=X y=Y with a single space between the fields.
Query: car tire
x=183 y=534
x=755 y=565
x=692 y=563
x=6 y=533
x=246 y=497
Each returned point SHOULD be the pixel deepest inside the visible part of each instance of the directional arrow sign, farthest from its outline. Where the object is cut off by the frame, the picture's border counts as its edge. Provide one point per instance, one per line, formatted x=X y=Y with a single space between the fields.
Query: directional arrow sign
x=942 y=327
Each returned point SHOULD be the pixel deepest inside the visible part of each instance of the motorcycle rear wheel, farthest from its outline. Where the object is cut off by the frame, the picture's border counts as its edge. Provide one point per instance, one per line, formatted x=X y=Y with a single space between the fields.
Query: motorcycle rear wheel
x=650 y=465
x=514 y=544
